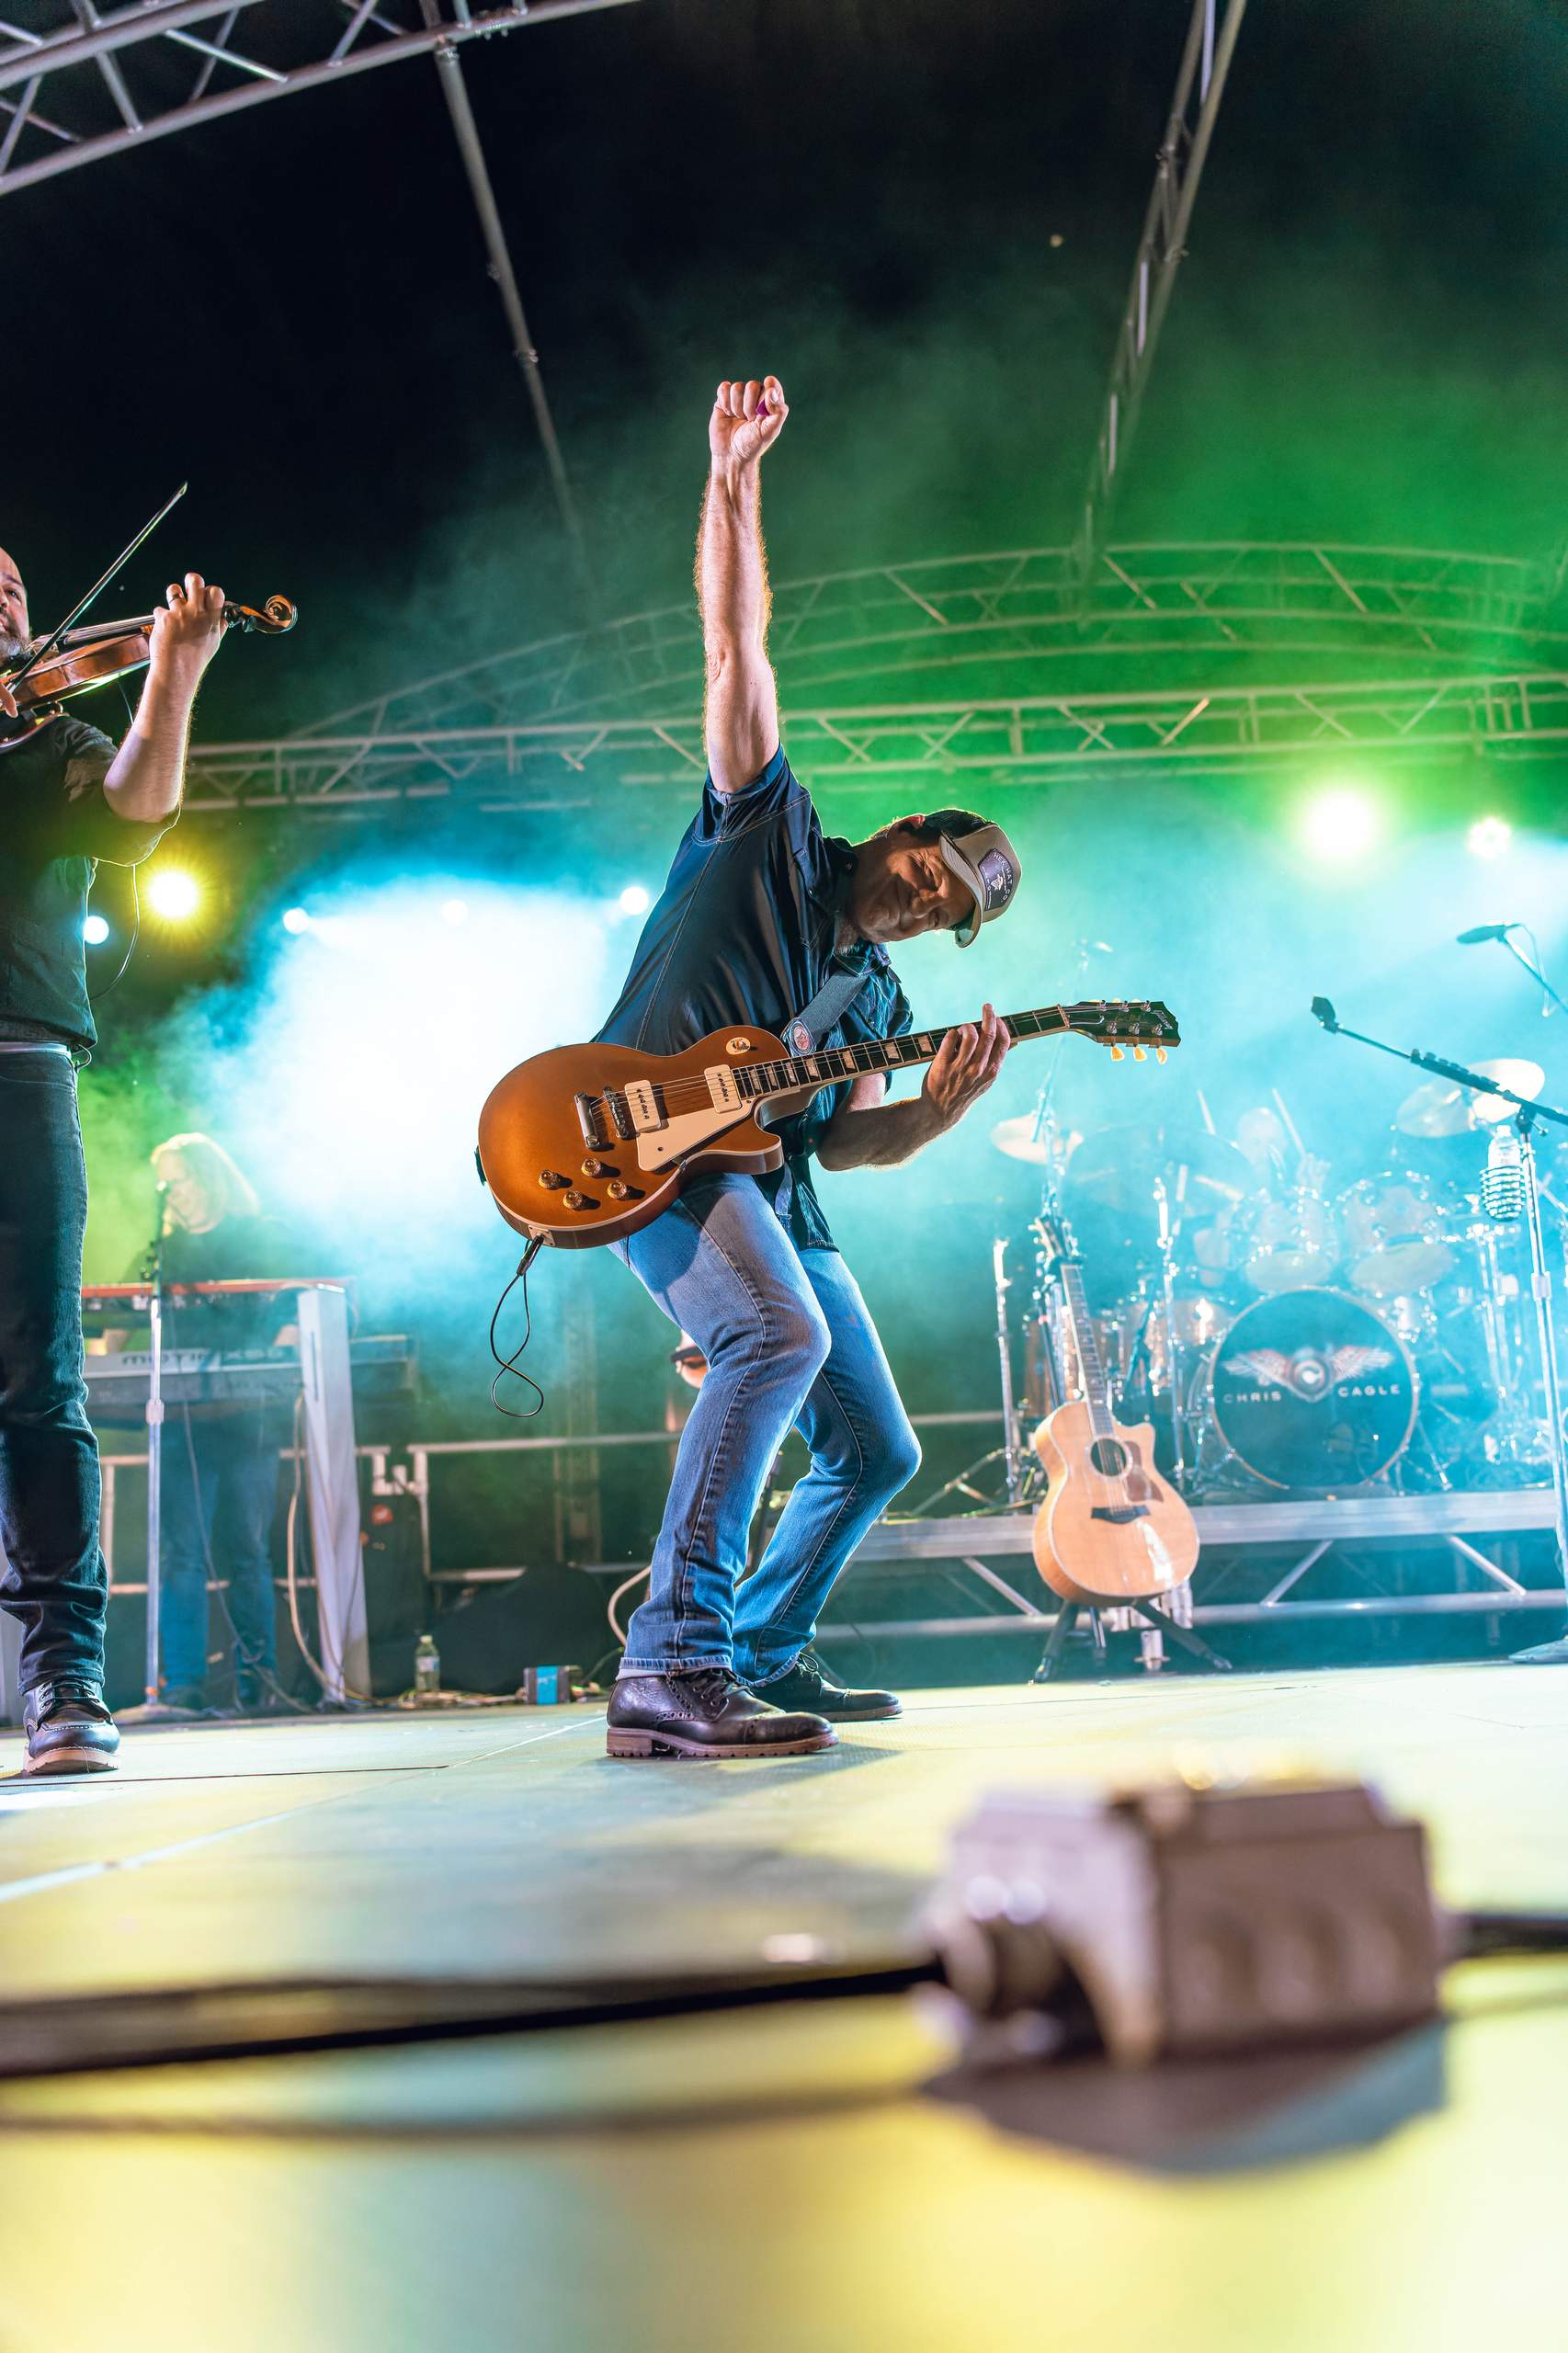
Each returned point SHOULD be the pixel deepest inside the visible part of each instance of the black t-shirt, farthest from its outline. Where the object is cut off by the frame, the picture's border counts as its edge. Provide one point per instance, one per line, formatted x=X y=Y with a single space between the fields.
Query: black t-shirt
x=744 y=931
x=54 y=825
x=237 y=1249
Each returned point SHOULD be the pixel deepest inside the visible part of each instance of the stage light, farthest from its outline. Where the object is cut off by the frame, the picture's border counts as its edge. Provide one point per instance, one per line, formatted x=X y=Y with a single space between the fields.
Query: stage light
x=1489 y=837
x=295 y=919
x=1340 y=823
x=95 y=931
x=173 y=895
x=454 y=911
x=634 y=900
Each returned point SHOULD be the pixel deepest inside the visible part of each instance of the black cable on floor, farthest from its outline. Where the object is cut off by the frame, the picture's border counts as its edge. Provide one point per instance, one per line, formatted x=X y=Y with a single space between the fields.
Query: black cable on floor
x=1487 y=1936
x=88 y=2033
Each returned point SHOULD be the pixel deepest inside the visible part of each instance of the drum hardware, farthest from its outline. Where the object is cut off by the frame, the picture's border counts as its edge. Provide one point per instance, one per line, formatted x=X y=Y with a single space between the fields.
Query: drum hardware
x=1527 y=1111
x=1012 y=1435
x=1168 y=1228
x=1393 y=1233
x=1286 y=1241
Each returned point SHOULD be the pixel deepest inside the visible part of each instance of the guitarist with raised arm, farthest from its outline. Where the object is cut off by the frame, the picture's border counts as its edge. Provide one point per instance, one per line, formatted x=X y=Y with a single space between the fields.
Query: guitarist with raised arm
x=762 y=914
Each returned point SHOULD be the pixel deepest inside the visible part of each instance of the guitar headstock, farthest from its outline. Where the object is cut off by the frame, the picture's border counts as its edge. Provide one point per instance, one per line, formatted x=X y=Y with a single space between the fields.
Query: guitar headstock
x=1056 y=1236
x=1118 y=1024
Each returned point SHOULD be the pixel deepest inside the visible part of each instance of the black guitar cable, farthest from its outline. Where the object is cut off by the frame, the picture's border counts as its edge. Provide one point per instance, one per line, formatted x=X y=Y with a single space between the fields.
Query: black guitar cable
x=510 y=1364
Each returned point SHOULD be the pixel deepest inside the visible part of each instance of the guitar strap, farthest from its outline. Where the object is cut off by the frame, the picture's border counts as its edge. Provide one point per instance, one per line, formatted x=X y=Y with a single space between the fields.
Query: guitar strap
x=818 y=1019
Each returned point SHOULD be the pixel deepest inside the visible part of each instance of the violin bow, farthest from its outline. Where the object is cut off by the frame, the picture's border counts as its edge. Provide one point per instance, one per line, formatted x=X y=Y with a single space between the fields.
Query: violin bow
x=48 y=645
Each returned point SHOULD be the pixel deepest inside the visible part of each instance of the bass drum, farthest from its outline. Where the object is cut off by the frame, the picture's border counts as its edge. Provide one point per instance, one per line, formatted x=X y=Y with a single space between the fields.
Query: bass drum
x=1313 y=1391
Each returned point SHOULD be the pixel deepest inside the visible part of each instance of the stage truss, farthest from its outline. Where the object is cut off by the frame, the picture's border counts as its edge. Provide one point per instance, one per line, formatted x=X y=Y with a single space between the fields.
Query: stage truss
x=997 y=667
x=79 y=87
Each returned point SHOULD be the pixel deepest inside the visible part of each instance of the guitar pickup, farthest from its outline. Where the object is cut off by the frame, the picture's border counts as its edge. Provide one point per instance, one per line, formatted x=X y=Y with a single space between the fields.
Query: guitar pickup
x=591 y=1119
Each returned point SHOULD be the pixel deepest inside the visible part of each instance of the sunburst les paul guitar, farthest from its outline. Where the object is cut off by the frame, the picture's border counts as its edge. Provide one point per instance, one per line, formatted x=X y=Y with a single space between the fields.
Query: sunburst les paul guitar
x=1109 y=1530
x=586 y=1144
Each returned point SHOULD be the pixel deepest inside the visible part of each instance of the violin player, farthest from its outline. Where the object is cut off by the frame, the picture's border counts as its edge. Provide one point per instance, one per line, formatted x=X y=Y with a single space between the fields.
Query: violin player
x=68 y=798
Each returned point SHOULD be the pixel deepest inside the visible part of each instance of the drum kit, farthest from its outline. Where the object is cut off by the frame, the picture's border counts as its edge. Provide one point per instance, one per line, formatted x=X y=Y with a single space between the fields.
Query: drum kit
x=1286 y=1333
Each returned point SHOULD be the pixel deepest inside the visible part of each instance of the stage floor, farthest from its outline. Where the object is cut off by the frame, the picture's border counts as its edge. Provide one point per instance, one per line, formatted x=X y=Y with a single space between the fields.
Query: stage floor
x=816 y=2181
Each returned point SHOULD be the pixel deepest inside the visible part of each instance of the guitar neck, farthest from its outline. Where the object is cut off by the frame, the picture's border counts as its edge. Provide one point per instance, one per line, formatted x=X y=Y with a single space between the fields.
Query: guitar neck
x=761 y=1080
x=1085 y=1347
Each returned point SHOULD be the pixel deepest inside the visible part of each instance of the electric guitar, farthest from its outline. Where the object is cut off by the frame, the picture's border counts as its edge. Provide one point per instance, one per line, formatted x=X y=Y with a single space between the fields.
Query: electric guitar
x=586 y=1144
x=1109 y=1529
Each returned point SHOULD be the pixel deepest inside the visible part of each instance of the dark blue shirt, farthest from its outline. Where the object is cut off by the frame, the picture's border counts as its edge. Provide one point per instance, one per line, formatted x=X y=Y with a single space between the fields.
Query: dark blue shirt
x=744 y=931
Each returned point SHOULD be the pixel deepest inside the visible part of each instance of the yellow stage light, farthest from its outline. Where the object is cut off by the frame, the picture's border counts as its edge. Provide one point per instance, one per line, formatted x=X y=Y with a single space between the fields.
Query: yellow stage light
x=173 y=893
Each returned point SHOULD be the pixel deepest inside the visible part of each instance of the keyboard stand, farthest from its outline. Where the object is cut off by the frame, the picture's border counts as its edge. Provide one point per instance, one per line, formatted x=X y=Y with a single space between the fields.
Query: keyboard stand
x=333 y=1485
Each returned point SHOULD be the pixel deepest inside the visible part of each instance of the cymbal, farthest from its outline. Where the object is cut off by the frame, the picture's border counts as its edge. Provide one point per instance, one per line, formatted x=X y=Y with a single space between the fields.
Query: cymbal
x=1439 y=1107
x=1116 y=1169
x=1019 y=1140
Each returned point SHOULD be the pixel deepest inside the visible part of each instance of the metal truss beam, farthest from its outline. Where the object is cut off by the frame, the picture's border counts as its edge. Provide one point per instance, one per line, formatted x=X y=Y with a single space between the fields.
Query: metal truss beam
x=1018 y=738
x=1009 y=622
x=1161 y=248
x=290 y=46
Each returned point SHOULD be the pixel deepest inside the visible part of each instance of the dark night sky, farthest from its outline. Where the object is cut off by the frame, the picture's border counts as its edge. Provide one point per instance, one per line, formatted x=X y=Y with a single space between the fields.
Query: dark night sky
x=292 y=308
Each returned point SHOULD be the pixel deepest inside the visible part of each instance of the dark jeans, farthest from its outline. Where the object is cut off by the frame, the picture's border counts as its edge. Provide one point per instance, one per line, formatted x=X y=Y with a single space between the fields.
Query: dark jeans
x=222 y=1513
x=55 y=1583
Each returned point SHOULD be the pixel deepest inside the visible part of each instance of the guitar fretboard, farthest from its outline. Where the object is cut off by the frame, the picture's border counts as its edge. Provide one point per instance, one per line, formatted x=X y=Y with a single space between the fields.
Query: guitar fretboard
x=837 y=1062
x=1086 y=1347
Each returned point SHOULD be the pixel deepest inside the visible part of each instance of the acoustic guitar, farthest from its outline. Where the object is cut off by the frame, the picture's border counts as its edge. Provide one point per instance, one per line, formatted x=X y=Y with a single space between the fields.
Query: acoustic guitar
x=586 y=1144
x=1111 y=1529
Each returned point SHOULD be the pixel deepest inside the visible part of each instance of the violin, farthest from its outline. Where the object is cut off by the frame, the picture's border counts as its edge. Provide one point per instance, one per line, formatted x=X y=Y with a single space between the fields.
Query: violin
x=105 y=650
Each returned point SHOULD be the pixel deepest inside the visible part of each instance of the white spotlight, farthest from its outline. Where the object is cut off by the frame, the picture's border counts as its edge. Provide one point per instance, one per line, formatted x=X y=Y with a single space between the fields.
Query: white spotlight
x=454 y=911
x=1489 y=837
x=634 y=900
x=1341 y=823
x=295 y=919
x=95 y=931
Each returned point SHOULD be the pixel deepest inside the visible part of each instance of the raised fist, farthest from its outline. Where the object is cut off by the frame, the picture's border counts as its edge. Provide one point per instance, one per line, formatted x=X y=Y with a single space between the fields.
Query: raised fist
x=746 y=420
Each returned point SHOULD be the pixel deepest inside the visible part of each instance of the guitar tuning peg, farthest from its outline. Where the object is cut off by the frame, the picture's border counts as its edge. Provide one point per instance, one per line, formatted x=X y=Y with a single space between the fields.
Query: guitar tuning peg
x=1117 y=1055
x=1139 y=1055
x=1159 y=1053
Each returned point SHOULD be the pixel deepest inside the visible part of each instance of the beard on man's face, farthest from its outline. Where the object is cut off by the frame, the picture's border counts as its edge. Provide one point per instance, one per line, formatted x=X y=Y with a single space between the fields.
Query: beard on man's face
x=12 y=649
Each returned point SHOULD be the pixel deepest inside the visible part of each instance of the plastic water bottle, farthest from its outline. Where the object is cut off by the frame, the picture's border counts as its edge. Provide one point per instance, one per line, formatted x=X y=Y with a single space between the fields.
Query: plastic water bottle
x=427 y=1667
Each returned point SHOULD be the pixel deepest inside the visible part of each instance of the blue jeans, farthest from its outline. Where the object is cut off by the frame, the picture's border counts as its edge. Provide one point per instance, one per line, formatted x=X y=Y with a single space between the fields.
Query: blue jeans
x=235 y=1492
x=790 y=1345
x=52 y=1576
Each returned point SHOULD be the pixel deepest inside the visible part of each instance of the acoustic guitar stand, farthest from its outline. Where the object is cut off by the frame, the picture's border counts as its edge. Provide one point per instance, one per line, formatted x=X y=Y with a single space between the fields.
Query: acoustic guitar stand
x=1183 y=1636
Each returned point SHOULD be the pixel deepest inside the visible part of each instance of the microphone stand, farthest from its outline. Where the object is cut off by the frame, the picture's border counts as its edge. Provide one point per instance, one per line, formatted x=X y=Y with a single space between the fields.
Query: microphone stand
x=1526 y=1115
x=155 y=1448
x=1537 y=976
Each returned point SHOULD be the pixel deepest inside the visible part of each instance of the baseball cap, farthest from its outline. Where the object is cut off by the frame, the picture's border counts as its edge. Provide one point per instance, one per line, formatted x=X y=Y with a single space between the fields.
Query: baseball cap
x=985 y=863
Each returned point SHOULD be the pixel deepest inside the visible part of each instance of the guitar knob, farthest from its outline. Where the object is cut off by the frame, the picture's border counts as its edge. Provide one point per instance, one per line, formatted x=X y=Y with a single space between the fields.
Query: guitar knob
x=553 y=1180
x=597 y=1168
x=573 y=1199
x=620 y=1190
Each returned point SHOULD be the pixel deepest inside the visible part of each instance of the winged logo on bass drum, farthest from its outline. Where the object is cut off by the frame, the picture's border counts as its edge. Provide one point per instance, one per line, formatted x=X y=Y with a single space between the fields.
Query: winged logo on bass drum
x=1308 y=1373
